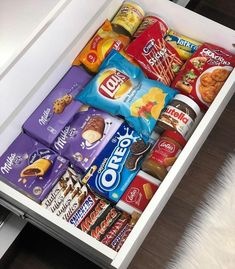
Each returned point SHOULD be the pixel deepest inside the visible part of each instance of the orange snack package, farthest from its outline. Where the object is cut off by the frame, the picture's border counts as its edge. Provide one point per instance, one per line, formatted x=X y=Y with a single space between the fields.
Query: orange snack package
x=99 y=46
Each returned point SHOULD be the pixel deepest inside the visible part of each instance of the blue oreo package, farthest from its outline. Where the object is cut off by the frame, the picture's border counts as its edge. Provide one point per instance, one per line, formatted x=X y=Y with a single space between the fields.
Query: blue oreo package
x=121 y=88
x=117 y=165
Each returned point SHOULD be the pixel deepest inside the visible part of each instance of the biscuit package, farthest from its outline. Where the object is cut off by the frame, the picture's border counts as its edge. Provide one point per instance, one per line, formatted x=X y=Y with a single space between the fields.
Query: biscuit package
x=58 y=108
x=85 y=136
x=204 y=74
x=139 y=193
x=99 y=46
x=31 y=167
x=117 y=164
x=121 y=88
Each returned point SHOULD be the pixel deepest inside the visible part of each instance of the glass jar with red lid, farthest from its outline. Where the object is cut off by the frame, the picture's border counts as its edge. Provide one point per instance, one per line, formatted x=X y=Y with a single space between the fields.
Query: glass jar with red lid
x=163 y=154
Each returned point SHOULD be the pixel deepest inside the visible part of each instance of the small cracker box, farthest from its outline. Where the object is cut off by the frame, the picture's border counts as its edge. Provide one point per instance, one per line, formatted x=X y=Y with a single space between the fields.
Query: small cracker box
x=139 y=193
x=58 y=108
x=31 y=167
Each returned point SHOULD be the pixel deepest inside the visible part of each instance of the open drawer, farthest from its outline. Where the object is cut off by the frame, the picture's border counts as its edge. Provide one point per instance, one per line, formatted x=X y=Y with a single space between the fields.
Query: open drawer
x=40 y=68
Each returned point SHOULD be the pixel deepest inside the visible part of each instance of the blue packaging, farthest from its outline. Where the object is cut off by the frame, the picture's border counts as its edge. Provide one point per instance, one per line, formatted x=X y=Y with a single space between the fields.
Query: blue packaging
x=121 y=88
x=113 y=170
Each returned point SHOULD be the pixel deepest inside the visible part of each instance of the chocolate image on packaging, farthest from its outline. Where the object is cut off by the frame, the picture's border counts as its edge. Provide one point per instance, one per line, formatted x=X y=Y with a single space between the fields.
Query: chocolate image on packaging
x=119 y=240
x=100 y=228
x=85 y=136
x=87 y=205
x=31 y=167
x=69 y=177
x=94 y=129
x=74 y=204
x=116 y=228
x=37 y=168
x=99 y=210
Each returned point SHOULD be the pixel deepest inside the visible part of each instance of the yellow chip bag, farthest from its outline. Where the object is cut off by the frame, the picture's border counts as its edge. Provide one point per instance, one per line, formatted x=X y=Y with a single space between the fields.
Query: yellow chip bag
x=99 y=46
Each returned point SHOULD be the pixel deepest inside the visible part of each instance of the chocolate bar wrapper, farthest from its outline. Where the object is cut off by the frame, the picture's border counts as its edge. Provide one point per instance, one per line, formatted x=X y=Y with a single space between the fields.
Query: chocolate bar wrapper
x=103 y=225
x=68 y=198
x=97 y=213
x=115 y=228
x=119 y=240
x=117 y=164
x=68 y=186
x=85 y=136
x=31 y=167
x=74 y=204
x=88 y=204
x=58 y=108
x=71 y=175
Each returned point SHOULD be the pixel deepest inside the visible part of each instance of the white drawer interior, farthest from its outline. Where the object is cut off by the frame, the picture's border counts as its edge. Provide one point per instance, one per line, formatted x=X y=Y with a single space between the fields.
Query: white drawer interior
x=45 y=62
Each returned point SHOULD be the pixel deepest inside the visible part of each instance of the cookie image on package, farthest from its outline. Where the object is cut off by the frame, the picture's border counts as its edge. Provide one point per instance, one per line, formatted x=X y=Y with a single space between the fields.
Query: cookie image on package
x=68 y=98
x=94 y=129
x=139 y=147
x=59 y=106
x=132 y=162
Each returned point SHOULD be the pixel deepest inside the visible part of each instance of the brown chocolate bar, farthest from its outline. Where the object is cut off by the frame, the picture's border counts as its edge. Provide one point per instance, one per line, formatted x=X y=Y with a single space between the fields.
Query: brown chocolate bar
x=94 y=129
x=100 y=228
x=94 y=215
x=115 y=228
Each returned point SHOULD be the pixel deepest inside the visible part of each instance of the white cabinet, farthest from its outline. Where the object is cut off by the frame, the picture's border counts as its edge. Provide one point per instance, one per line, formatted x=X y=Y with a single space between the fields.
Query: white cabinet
x=25 y=85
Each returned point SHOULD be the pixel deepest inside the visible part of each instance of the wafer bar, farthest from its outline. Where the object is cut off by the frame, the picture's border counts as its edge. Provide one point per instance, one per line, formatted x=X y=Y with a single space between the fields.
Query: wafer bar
x=74 y=204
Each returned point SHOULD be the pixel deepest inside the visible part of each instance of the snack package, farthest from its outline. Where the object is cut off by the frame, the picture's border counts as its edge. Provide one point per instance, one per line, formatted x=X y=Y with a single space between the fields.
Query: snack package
x=31 y=167
x=159 y=60
x=85 y=136
x=117 y=165
x=99 y=46
x=58 y=108
x=120 y=88
x=204 y=74
x=138 y=193
x=184 y=45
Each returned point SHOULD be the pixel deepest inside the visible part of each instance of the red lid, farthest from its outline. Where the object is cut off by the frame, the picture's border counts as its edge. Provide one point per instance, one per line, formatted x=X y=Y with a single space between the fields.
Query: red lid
x=176 y=136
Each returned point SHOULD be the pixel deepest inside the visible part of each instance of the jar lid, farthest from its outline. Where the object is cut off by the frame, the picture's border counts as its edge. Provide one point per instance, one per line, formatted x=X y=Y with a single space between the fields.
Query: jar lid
x=176 y=136
x=187 y=100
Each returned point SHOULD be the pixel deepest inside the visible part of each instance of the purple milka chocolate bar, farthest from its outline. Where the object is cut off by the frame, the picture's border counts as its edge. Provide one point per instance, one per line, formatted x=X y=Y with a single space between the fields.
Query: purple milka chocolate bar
x=83 y=139
x=31 y=167
x=58 y=108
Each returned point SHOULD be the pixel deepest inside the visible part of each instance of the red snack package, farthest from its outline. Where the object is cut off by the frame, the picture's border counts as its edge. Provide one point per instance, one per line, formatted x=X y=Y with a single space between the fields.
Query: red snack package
x=204 y=74
x=158 y=59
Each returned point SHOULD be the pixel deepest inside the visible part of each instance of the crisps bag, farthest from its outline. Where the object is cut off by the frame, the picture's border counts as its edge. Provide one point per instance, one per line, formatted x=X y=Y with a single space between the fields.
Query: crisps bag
x=121 y=88
x=99 y=46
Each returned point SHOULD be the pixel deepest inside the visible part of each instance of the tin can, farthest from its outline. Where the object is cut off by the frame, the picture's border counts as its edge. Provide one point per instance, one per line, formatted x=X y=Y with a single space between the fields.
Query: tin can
x=128 y=18
x=149 y=20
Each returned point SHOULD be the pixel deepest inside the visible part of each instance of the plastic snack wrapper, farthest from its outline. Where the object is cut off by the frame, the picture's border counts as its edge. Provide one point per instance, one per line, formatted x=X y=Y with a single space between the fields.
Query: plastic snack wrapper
x=99 y=46
x=159 y=60
x=121 y=88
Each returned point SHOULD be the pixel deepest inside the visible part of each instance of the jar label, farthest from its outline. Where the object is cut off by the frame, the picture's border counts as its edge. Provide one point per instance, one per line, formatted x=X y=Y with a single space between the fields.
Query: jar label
x=129 y=17
x=164 y=152
x=177 y=119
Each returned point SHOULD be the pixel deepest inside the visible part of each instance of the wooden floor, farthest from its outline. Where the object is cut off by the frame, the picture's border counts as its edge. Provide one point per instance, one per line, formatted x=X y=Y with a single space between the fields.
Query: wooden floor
x=34 y=249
